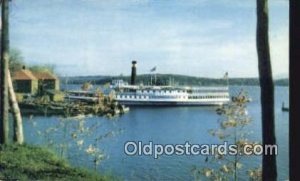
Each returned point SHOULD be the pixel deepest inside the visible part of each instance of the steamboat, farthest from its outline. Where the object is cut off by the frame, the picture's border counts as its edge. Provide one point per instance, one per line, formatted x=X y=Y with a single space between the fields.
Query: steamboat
x=152 y=95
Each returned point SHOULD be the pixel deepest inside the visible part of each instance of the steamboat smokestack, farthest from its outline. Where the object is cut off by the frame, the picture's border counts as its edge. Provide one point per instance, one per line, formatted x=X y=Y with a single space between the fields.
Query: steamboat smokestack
x=133 y=73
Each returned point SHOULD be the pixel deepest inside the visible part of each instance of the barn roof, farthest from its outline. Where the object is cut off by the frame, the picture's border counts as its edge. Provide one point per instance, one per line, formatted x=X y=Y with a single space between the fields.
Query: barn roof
x=23 y=75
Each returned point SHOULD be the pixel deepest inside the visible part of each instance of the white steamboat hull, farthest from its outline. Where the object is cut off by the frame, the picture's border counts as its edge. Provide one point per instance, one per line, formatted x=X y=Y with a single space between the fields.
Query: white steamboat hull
x=172 y=103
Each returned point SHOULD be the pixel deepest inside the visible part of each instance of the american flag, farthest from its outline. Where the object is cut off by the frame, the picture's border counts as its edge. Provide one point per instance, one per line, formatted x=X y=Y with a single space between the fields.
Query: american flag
x=153 y=69
x=226 y=75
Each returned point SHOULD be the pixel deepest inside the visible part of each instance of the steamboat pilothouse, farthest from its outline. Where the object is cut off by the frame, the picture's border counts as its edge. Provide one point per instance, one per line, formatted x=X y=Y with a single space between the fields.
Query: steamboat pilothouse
x=153 y=95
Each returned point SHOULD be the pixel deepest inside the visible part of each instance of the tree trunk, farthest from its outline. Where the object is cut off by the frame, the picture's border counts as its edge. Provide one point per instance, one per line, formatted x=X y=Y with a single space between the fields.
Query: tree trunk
x=18 y=126
x=267 y=89
x=4 y=125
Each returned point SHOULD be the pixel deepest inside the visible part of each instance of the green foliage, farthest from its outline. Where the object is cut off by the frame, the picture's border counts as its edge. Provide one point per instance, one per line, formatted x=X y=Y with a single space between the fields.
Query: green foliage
x=16 y=60
x=35 y=163
x=43 y=68
x=86 y=86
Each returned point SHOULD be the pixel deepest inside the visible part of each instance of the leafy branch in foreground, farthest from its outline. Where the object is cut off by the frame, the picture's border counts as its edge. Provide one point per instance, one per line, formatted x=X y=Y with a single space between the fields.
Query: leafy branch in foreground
x=75 y=133
x=234 y=118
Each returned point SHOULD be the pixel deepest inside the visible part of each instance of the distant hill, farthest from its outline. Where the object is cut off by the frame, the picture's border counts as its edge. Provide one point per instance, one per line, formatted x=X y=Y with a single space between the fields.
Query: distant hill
x=282 y=82
x=174 y=79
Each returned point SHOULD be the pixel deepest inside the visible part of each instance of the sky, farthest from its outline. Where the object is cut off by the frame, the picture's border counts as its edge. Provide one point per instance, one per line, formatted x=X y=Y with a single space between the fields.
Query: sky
x=204 y=38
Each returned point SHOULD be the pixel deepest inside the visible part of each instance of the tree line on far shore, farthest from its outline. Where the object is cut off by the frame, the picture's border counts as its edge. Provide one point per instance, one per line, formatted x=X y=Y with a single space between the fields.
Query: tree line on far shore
x=173 y=79
x=17 y=62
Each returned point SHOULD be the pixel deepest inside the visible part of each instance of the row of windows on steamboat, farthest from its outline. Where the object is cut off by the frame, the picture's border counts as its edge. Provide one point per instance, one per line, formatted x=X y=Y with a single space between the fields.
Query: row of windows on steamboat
x=178 y=97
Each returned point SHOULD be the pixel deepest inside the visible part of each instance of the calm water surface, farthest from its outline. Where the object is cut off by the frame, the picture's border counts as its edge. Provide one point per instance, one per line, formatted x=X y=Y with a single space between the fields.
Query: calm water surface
x=165 y=125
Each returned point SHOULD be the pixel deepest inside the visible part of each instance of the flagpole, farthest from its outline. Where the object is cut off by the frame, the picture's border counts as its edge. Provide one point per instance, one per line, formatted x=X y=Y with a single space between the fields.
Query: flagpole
x=227 y=82
x=153 y=70
x=227 y=79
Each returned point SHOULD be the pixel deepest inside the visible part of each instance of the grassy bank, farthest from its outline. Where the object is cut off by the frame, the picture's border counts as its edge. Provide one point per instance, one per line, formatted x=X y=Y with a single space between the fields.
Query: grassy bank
x=35 y=163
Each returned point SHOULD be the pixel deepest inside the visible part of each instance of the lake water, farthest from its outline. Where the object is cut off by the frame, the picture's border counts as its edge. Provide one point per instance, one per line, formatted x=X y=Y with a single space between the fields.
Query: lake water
x=163 y=125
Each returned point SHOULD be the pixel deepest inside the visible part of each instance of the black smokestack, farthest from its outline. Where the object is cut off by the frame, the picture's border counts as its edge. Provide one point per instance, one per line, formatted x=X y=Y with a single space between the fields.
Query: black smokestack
x=133 y=73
